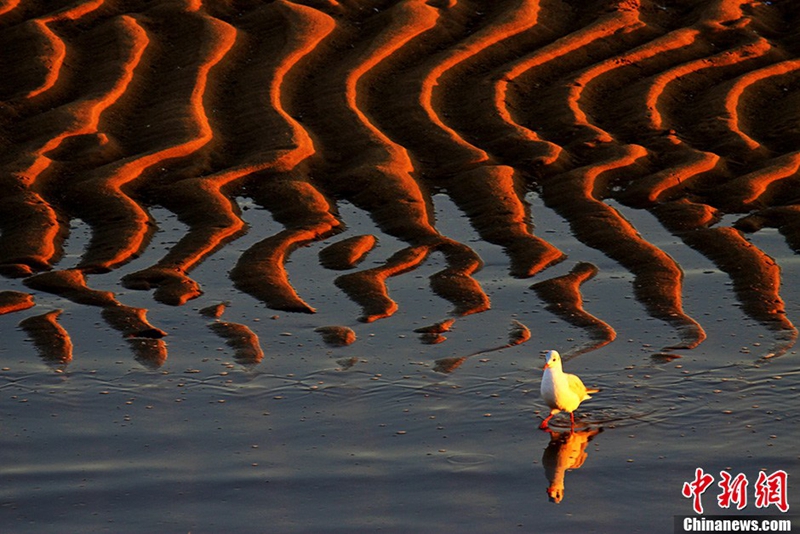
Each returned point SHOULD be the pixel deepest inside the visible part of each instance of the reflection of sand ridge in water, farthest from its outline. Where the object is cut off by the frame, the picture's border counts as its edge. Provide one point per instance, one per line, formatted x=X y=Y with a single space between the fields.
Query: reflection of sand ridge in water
x=301 y=105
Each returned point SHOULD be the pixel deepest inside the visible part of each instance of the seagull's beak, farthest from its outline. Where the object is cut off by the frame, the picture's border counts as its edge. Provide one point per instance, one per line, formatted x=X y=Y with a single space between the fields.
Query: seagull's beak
x=546 y=365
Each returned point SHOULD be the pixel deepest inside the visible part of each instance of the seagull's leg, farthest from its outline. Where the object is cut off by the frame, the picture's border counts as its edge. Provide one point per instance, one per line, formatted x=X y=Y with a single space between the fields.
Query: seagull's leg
x=543 y=424
x=571 y=421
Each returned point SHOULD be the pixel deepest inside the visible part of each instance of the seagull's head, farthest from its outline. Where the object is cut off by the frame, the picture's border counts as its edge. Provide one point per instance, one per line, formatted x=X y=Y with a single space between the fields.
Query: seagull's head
x=552 y=358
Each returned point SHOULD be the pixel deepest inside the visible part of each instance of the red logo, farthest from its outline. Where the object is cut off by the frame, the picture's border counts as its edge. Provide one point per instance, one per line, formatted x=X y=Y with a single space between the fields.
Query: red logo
x=734 y=490
x=768 y=489
x=772 y=490
x=696 y=488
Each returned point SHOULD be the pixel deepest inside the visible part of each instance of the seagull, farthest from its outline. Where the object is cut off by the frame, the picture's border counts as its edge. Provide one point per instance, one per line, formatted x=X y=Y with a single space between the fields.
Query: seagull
x=561 y=391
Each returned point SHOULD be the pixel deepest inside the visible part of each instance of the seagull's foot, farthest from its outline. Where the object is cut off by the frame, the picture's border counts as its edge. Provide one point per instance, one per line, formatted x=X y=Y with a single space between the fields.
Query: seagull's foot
x=544 y=424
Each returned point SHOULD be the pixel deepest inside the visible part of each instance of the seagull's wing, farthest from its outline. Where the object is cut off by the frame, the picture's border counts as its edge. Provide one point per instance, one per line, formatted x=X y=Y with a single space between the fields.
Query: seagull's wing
x=577 y=387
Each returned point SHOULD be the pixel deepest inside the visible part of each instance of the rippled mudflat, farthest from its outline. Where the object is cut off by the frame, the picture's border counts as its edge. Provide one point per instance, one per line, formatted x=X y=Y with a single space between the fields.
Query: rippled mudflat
x=290 y=266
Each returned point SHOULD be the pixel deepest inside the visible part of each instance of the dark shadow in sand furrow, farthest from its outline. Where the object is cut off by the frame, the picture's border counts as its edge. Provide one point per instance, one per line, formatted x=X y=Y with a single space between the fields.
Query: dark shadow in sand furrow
x=149 y=130
x=359 y=163
x=252 y=133
x=485 y=192
x=59 y=137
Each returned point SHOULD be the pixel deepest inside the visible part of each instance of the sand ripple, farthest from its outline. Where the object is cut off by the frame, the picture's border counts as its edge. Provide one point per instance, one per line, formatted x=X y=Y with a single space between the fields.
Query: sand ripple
x=107 y=110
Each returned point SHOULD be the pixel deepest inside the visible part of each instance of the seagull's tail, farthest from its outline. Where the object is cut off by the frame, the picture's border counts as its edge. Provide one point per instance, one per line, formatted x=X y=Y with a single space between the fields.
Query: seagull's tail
x=592 y=391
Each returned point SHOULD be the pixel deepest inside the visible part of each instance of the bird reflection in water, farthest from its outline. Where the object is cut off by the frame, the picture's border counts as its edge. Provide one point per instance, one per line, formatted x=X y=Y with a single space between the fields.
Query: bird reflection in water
x=566 y=450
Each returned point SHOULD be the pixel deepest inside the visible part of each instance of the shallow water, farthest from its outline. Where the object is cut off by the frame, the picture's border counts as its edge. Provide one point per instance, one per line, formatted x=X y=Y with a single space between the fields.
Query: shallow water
x=304 y=442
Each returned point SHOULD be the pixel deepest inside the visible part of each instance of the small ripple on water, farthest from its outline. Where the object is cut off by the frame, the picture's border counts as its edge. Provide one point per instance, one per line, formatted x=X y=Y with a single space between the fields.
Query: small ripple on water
x=469 y=459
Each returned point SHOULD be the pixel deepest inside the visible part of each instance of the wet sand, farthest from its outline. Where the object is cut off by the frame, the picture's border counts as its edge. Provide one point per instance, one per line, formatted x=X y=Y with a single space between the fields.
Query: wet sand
x=261 y=259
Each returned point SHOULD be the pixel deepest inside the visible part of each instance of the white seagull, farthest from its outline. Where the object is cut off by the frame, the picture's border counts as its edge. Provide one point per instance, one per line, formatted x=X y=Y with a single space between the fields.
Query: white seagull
x=561 y=391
